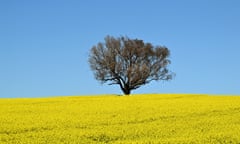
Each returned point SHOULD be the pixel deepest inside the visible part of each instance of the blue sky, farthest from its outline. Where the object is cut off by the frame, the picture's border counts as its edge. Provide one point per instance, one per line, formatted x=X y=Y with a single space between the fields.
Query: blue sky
x=44 y=45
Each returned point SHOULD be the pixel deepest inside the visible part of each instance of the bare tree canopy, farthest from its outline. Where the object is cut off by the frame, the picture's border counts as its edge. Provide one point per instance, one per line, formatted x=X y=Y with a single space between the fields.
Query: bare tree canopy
x=129 y=63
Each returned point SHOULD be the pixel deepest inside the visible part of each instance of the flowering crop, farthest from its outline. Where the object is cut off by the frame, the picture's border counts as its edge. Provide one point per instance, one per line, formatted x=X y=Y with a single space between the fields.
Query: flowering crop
x=166 y=118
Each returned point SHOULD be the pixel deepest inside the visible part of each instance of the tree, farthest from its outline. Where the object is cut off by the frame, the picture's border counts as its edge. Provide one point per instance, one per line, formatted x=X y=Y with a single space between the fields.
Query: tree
x=129 y=63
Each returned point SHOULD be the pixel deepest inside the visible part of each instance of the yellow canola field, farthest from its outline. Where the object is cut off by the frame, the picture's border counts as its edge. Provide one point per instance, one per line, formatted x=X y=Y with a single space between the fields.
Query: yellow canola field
x=139 y=119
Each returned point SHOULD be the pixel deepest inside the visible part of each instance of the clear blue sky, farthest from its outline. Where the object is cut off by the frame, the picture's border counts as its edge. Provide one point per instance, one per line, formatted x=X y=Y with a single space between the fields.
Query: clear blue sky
x=44 y=44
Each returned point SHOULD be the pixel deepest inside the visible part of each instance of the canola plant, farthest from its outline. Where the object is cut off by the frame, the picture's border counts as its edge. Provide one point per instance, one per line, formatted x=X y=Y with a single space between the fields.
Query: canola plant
x=135 y=119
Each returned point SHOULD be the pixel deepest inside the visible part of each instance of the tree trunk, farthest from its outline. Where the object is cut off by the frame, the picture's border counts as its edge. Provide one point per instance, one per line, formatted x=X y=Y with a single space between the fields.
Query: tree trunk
x=126 y=90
